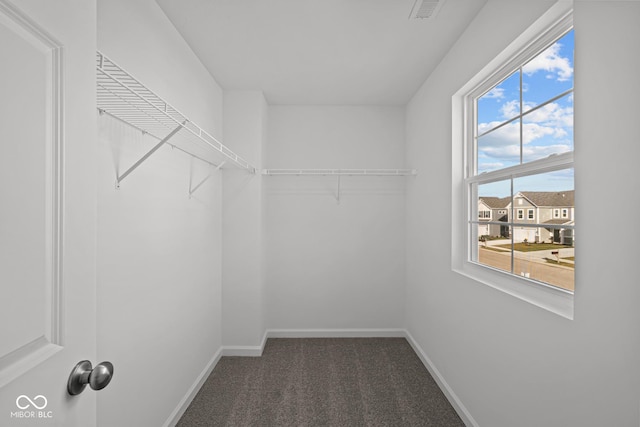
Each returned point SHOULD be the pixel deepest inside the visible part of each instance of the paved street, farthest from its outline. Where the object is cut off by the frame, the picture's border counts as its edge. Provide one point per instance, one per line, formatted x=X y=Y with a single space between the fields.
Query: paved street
x=531 y=263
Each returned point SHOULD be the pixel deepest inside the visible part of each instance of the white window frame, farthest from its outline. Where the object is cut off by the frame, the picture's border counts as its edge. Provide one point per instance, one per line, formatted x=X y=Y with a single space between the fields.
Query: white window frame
x=531 y=214
x=556 y=213
x=520 y=214
x=565 y=213
x=548 y=28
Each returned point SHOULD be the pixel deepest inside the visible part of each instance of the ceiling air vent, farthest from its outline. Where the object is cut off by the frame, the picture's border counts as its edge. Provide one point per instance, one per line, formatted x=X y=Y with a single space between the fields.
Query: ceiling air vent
x=426 y=9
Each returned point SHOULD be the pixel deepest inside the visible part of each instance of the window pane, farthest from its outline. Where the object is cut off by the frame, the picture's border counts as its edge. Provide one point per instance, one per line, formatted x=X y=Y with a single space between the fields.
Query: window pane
x=551 y=263
x=500 y=104
x=499 y=148
x=546 y=252
x=493 y=205
x=548 y=130
x=495 y=251
x=549 y=74
x=494 y=239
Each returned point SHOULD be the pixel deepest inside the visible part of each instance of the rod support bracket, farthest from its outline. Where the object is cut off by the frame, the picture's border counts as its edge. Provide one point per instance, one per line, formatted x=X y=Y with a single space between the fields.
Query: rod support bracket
x=120 y=178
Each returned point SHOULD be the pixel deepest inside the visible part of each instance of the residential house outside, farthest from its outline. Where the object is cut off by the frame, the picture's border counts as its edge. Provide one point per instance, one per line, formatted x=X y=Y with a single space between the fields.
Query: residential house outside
x=529 y=211
x=493 y=209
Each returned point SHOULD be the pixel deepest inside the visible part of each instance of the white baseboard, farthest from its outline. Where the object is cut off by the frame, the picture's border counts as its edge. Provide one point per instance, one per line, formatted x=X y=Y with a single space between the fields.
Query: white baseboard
x=242 y=350
x=245 y=350
x=256 y=351
x=193 y=390
x=336 y=333
x=448 y=392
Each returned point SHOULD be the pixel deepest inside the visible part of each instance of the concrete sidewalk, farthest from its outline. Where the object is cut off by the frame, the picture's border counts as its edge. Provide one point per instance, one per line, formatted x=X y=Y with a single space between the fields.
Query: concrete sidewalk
x=533 y=255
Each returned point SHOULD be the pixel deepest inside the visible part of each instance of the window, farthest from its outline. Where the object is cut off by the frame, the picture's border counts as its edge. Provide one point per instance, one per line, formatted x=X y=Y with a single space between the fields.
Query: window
x=516 y=145
x=484 y=214
x=523 y=123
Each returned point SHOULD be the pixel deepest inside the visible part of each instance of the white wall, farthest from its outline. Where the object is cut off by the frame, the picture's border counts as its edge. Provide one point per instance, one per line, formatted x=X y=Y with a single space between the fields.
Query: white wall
x=330 y=265
x=243 y=278
x=159 y=252
x=509 y=362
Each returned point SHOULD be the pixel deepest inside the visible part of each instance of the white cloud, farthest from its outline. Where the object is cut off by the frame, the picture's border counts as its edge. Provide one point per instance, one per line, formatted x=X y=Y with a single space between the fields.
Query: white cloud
x=495 y=93
x=510 y=109
x=552 y=114
x=505 y=152
x=534 y=152
x=545 y=131
x=502 y=145
x=488 y=166
x=557 y=66
x=499 y=154
x=534 y=131
x=506 y=135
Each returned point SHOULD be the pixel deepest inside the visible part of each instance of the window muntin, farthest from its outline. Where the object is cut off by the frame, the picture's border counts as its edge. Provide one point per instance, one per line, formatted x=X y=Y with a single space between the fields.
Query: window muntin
x=523 y=145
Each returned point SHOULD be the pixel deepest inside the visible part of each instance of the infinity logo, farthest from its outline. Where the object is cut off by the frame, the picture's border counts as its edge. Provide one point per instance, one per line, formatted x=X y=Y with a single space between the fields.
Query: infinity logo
x=22 y=397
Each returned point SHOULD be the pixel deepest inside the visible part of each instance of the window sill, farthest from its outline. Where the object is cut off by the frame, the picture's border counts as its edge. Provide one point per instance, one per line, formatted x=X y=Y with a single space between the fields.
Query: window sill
x=549 y=298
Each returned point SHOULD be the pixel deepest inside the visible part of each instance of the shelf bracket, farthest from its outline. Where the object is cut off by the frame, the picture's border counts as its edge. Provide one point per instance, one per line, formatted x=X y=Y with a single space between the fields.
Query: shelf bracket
x=194 y=189
x=120 y=178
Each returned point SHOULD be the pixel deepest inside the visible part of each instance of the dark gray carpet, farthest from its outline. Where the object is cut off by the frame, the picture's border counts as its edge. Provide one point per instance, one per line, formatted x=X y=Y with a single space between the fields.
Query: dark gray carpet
x=322 y=382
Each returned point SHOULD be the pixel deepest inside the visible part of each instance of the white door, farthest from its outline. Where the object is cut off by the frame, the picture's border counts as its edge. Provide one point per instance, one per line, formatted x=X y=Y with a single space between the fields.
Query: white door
x=47 y=210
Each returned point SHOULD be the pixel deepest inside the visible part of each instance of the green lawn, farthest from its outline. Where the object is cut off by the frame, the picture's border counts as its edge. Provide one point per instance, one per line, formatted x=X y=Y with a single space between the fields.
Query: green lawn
x=521 y=247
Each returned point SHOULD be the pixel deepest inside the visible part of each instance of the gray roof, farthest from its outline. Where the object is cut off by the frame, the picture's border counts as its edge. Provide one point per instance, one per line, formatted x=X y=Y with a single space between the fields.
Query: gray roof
x=550 y=198
x=557 y=221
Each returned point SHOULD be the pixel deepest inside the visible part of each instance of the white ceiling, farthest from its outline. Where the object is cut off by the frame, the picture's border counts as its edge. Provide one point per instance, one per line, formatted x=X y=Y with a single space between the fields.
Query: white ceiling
x=334 y=52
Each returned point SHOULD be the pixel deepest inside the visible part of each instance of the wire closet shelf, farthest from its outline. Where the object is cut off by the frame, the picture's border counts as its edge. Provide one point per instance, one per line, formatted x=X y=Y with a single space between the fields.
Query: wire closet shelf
x=341 y=172
x=122 y=96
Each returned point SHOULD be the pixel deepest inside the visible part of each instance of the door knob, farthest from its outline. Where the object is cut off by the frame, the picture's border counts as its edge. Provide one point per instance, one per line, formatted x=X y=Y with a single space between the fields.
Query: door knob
x=83 y=373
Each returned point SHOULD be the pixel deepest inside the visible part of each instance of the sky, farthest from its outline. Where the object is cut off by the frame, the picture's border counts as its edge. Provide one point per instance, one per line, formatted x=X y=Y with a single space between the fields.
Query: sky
x=547 y=130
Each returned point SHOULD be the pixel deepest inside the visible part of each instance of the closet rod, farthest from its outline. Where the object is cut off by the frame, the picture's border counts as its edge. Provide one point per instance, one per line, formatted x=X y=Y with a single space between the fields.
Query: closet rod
x=347 y=172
